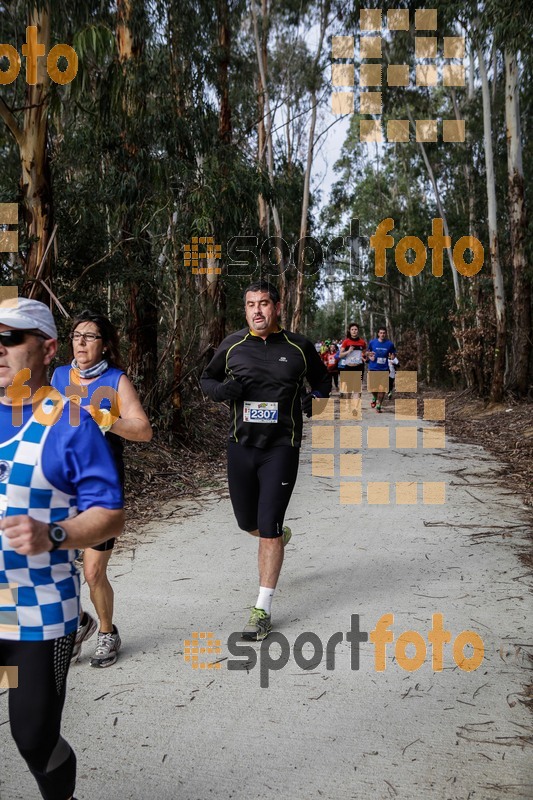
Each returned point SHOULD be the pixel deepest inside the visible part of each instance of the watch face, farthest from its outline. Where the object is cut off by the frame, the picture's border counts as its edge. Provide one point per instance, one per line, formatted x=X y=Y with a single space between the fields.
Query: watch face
x=57 y=534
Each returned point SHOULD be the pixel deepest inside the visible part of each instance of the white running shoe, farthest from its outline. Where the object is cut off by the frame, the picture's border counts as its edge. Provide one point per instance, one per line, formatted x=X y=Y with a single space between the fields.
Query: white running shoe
x=106 y=652
x=85 y=631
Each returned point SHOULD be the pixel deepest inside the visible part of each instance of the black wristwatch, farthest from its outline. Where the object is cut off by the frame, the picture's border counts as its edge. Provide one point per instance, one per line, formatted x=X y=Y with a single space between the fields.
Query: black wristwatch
x=56 y=534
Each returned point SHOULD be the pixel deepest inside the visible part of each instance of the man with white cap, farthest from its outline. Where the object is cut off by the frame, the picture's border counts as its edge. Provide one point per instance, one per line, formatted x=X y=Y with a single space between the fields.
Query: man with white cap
x=59 y=491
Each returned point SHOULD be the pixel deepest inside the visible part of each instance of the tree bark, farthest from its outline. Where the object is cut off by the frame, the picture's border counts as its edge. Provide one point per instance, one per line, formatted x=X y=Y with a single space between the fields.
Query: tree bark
x=142 y=306
x=521 y=333
x=261 y=54
x=35 y=162
x=497 y=276
x=300 y=278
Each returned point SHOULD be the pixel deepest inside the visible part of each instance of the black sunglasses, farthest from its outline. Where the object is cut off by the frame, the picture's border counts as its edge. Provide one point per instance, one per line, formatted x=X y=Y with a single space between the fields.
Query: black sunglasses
x=15 y=337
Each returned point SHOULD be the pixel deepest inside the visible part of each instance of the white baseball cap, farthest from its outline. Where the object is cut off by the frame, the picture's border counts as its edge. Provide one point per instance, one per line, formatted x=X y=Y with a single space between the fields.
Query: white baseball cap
x=28 y=315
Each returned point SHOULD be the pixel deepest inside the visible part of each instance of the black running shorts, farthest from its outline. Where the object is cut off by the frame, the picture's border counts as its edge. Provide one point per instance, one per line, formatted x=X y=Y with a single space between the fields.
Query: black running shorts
x=261 y=481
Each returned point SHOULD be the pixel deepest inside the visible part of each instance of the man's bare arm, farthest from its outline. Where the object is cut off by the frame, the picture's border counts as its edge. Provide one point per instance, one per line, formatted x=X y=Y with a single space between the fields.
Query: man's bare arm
x=29 y=537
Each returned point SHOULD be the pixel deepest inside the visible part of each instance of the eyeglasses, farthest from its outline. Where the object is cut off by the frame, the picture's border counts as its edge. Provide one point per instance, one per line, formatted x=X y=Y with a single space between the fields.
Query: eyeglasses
x=87 y=337
x=15 y=337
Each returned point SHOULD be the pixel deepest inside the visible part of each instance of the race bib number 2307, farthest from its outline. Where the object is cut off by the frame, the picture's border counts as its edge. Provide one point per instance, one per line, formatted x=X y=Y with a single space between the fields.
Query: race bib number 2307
x=255 y=411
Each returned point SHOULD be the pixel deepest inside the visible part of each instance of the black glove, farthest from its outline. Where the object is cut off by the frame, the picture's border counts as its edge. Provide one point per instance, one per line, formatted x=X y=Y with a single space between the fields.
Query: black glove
x=232 y=390
x=307 y=403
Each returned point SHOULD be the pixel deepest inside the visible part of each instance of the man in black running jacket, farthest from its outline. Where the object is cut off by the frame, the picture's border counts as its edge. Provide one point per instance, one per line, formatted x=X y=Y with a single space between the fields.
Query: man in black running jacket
x=261 y=370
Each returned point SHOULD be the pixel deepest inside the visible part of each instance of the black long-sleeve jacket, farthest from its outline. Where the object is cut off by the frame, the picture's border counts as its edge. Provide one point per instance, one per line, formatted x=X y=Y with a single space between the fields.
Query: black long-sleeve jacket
x=271 y=370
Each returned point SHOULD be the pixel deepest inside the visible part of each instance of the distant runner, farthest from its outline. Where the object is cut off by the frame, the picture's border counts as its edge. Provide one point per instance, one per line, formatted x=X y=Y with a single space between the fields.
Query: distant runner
x=261 y=370
x=352 y=359
x=378 y=361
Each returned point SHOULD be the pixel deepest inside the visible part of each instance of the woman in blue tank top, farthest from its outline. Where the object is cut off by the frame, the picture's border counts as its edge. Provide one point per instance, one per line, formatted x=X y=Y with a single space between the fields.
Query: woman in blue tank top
x=96 y=376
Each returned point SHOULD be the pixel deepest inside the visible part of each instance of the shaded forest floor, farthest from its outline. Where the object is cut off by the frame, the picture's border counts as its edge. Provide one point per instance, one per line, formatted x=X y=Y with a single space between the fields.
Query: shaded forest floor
x=503 y=429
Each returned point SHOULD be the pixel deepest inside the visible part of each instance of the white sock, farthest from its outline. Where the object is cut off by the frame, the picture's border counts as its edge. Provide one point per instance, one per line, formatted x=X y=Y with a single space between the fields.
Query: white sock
x=264 y=599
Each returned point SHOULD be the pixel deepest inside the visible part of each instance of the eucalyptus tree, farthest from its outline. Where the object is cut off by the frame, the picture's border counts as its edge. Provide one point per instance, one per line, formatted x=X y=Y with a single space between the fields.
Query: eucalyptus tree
x=25 y=108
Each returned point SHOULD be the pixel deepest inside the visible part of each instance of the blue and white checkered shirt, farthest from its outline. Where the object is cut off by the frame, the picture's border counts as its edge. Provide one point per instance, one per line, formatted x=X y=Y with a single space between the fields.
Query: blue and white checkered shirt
x=46 y=587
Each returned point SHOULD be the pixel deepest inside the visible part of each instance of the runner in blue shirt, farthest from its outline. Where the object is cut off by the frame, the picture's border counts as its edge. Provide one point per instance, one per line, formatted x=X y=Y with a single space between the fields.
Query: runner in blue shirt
x=110 y=397
x=378 y=361
x=59 y=491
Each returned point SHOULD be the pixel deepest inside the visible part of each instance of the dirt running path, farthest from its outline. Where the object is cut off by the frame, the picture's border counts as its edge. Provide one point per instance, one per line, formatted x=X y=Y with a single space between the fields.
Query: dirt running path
x=152 y=727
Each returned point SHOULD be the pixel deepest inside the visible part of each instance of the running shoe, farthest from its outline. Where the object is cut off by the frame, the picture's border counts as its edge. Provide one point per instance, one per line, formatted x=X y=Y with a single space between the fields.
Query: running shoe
x=85 y=630
x=378 y=409
x=106 y=652
x=373 y=404
x=389 y=395
x=259 y=625
x=287 y=533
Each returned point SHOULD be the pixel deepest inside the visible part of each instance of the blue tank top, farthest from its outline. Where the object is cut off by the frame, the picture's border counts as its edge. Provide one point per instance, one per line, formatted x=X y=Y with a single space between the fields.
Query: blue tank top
x=105 y=384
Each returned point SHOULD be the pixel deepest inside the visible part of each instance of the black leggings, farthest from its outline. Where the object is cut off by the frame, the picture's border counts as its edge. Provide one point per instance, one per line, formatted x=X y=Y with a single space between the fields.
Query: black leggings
x=35 y=709
x=260 y=482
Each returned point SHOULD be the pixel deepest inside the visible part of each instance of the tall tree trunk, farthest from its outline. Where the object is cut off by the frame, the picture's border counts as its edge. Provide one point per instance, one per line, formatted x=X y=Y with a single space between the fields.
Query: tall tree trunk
x=142 y=302
x=300 y=278
x=212 y=295
x=34 y=158
x=521 y=336
x=261 y=130
x=261 y=53
x=497 y=276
